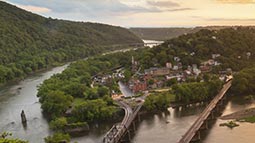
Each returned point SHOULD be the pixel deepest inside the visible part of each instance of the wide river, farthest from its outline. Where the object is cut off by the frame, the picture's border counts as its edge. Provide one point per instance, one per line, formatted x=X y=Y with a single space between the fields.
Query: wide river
x=160 y=128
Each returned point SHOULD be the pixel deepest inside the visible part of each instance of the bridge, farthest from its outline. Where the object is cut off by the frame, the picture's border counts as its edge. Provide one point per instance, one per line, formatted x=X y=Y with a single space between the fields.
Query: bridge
x=193 y=134
x=118 y=131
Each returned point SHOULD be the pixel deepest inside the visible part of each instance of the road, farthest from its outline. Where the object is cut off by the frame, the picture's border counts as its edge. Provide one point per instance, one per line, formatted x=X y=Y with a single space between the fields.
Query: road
x=128 y=112
x=125 y=90
x=204 y=115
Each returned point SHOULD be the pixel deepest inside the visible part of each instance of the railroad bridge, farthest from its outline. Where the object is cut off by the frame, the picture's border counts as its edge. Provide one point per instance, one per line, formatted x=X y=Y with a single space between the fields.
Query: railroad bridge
x=193 y=134
x=118 y=131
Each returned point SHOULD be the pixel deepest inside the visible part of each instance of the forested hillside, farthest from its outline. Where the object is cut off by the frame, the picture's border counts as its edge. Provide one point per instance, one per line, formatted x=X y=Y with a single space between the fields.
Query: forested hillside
x=169 y=33
x=234 y=45
x=29 y=42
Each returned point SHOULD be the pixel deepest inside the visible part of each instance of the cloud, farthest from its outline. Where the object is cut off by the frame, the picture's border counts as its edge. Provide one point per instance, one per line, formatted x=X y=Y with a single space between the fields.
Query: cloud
x=166 y=6
x=230 y=19
x=163 y=4
x=93 y=7
x=223 y=19
x=180 y=9
x=35 y=9
x=97 y=7
x=236 y=1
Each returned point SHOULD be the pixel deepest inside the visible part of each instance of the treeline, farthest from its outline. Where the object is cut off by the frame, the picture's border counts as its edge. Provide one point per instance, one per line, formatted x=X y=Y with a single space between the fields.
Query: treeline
x=158 y=101
x=243 y=82
x=196 y=91
x=29 y=42
x=5 y=137
x=184 y=93
x=169 y=33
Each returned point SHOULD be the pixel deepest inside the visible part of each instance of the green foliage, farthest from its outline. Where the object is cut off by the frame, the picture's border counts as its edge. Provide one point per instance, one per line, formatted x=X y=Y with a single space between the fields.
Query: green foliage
x=243 y=82
x=151 y=82
x=250 y=119
x=196 y=91
x=230 y=124
x=29 y=42
x=77 y=125
x=56 y=103
x=171 y=82
x=58 y=123
x=57 y=137
x=158 y=101
x=93 y=110
x=4 y=138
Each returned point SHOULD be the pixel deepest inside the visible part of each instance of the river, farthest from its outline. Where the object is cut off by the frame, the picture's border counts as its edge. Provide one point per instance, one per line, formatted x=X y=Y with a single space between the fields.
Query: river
x=168 y=128
x=161 y=128
x=152 y=43
x=22 y=96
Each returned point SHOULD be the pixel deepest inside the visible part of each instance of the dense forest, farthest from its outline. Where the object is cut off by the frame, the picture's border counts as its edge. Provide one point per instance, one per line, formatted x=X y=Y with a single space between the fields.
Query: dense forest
x=29 y=42
x=235 y=46
x=244 y=83
x=163 y=34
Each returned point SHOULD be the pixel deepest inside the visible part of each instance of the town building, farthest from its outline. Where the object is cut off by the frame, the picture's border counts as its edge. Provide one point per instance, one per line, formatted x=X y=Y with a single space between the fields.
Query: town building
x=157 y=71
x=137 y=85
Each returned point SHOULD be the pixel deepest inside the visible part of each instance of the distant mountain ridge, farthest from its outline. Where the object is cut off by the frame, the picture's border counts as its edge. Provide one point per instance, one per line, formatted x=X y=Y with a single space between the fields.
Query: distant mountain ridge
x=169 y=33
x=29 y=42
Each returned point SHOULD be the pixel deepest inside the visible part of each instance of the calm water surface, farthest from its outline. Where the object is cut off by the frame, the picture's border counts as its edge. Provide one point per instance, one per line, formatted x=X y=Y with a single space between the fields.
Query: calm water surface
x=22 y=96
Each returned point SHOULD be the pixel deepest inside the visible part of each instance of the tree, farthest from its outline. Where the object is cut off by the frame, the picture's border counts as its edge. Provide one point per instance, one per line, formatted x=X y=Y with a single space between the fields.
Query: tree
x=57 y=138
x=171 y=82
x=58 y=124
x=102 y=90
x=56 y=103
x=4 y=138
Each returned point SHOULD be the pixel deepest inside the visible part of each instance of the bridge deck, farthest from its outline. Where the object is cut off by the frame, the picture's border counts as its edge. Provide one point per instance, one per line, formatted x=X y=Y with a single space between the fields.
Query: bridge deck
x=204 y=115
x=115 y=134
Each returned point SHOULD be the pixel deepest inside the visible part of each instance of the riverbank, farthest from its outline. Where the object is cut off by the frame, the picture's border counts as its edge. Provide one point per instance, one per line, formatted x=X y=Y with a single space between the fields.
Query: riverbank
x=48 y=68
x=22 y=96
x=242 y=115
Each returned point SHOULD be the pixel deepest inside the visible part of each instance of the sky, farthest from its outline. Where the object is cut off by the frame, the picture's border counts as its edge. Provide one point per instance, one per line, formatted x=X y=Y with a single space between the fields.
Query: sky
x=146 y=13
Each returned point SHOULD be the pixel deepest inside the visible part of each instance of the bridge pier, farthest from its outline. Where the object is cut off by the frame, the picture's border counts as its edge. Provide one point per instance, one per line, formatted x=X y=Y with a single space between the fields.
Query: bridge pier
x=129 y=136
x=205 y=125
x=134 y=128
x=197 y=137
x=139 y=118
x=212 y=115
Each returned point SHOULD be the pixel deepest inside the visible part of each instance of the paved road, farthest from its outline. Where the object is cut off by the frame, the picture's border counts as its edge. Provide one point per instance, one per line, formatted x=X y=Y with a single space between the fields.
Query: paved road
x=128 y=112
x=204 y=115
x=125 y=90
